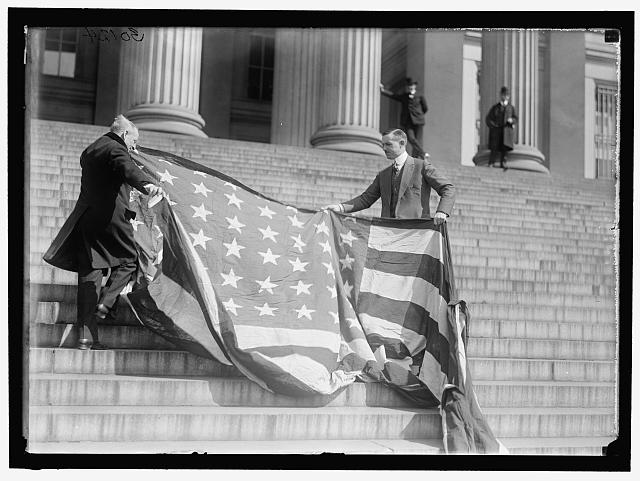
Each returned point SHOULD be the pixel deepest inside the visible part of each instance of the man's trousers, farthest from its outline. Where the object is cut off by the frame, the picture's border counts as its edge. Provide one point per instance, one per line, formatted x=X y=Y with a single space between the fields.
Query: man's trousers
x=91 y=293
x=414 y=137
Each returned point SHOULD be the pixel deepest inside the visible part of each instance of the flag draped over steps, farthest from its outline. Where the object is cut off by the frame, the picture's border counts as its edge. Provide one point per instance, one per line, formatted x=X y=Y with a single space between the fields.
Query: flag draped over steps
x=304 y=302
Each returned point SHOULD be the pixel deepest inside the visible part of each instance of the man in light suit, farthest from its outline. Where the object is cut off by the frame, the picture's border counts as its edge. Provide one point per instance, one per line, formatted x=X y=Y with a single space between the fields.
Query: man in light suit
x=404 y=186
x=98 y=234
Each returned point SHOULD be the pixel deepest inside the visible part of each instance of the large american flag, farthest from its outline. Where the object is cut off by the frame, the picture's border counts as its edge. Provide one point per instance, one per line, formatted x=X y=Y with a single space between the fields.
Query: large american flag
x=304 y=302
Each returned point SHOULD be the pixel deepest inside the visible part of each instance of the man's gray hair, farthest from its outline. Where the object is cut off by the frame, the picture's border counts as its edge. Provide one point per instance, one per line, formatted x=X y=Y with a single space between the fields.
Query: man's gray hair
x=396 y=134
x=121 y=123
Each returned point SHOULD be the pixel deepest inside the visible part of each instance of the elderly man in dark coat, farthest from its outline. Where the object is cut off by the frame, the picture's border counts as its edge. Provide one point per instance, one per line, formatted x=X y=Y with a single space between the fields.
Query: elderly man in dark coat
x=500 y=120
x=98 y=234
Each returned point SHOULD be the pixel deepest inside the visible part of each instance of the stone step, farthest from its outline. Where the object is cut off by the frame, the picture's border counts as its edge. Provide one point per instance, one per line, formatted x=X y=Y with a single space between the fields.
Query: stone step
x=118 y=390
x=542 y=349
x=546 y=299
x=517 y=246
x=530 y=222
x=495 y=311
x=466 y=284
x=128 y=331
x=247 y=447
x=514 y=369
x=126 y=362
x=180 y=363
x=545 y=253
x=532 y=276
x=516 y=329
x=574 y=446
x=195 y=423
x=204 y=423
x=129 y=337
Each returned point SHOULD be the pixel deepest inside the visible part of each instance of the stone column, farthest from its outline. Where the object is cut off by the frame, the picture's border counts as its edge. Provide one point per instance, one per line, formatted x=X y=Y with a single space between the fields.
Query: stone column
x=295 y=87
x=160 y=80
x=510 y=58
x=349 y=111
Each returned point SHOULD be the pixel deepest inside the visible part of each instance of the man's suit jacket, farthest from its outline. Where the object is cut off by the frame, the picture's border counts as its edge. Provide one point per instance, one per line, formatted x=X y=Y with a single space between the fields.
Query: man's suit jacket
x=418 y=178
x=99 y=224
x=413 y=109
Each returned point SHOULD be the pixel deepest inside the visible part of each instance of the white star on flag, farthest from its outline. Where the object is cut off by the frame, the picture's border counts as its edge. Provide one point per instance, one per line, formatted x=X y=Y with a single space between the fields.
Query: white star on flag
x=233 y=248
x=234 y=200
x=201 y=212
x=234 y=224
x=135 y=224
x=298 y=242
x=333 y=291
x=348 y=238
x=268 y=234
x=266 y=212
x=230 y=279
x=347 y=262
x=231 y=306
x=197 y=172
x=322 y=227
x=298 y=266
x=166 y=176
x=265 y=310
x=348 y=288
x=200 y=239
x=294 y=221
x=336 y=319
x=330 y=270
x=301 y=287
x=269 y=257
x=326 y=247
x=201 y=189
x=266 y=285
x=304 y=312
x=352 y=322
x=234 y=187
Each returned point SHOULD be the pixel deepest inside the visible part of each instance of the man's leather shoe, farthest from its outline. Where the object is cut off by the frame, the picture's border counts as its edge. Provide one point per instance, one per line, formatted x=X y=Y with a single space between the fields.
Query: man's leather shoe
x=98 y=346
x=84 y=344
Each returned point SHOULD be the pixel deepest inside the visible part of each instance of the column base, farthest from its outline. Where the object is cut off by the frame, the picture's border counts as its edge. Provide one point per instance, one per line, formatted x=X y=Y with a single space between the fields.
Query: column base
x=520 y=158
x=167 y=118
x=363 y=140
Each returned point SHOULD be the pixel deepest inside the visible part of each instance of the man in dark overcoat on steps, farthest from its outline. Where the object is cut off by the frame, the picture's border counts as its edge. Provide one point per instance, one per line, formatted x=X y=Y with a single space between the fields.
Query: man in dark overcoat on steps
x=501 y=120
x=98 y=234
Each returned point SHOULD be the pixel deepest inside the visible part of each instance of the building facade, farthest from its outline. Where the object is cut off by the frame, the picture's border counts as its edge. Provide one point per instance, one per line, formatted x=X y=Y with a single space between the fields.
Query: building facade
x=320 y=88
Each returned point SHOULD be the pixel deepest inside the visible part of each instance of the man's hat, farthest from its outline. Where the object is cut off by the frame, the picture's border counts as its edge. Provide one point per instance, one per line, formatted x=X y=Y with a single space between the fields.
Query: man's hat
x=411 y=82
x=504 y=91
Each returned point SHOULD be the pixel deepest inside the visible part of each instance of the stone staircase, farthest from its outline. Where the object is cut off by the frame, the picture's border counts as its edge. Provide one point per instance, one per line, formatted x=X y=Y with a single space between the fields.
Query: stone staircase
x=533 y=258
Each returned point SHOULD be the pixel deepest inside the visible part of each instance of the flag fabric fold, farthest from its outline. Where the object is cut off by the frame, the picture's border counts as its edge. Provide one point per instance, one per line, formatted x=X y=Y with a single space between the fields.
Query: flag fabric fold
x=303 y=302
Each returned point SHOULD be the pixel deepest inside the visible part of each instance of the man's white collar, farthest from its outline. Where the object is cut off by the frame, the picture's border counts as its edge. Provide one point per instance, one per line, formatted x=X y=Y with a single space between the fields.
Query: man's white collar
x=401 y=159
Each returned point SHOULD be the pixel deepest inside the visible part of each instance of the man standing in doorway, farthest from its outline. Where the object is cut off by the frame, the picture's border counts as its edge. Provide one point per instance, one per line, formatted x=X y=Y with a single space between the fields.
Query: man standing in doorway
x=413 y=108
x=500 y=120
x=98 y=234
